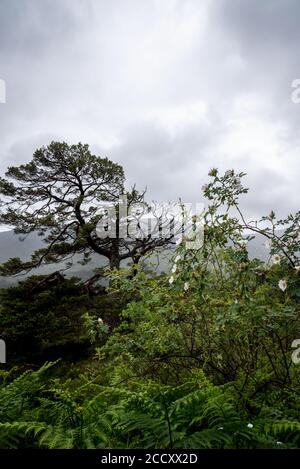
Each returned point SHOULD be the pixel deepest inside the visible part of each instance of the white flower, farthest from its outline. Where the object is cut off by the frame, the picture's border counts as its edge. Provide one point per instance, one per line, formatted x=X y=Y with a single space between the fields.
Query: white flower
x=275 y=259
x=186 y=286
x=204 y=188
x=174 y=268
x=236 y=301
x=279 y=442
x=243 y=242
x=229 y=173
x=250 y=425
x=297 y=269
x=282 y=284
x=177 y=258
x=100 y=321
x=171 y=280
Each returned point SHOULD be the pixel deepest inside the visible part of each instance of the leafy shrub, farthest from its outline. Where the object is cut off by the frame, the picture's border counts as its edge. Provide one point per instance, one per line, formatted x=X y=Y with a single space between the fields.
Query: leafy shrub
x=34 y=318
x=199 y=358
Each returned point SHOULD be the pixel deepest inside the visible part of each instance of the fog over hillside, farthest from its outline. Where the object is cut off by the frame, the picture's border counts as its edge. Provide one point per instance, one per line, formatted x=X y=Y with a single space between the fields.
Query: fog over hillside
x=12 y=245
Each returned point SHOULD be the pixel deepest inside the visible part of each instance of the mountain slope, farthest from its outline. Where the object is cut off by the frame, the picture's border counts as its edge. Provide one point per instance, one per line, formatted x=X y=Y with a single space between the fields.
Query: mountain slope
x=12 y=245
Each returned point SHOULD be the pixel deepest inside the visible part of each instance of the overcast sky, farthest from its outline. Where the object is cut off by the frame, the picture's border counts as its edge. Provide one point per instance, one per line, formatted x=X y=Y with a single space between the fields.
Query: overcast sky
x=168 y=88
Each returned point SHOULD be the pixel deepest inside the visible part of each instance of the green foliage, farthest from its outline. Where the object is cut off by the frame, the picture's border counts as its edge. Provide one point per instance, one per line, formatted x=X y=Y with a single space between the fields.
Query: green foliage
x=196 y=414
x=199 y=358
x=62 y=194
x=35 y=317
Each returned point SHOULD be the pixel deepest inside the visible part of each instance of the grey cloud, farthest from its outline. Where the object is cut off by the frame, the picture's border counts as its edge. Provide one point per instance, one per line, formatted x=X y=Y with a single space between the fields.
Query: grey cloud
x=125 y=76
x=33 y=26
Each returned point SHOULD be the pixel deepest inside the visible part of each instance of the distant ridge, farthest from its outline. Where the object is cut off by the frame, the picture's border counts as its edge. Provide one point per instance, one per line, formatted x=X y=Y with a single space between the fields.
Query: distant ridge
x=12 y=246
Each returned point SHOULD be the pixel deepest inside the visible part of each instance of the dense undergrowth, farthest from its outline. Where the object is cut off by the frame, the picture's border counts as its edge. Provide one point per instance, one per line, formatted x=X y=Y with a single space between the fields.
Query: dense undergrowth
x=199 y=358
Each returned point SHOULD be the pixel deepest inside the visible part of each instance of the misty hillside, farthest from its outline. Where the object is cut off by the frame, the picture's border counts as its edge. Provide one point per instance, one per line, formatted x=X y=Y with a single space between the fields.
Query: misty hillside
x=12 y=245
